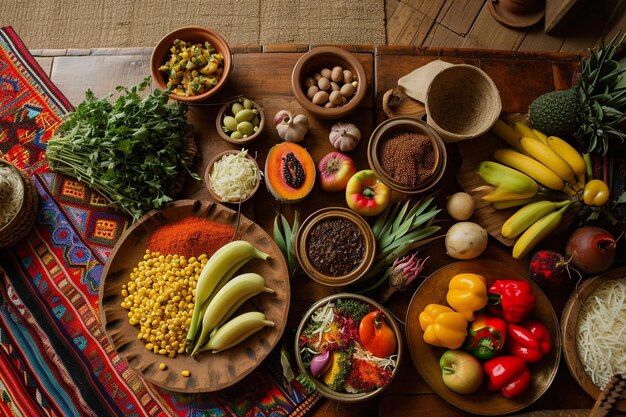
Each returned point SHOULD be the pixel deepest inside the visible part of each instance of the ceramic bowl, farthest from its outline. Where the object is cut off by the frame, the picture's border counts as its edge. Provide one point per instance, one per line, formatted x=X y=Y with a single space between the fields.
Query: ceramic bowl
x=406 y=124
x=303 y=242
x=569 y=326
x=194 y=34
x=425 y=357
x=328 y=57
x=208 y=171
x=323 y=389
x=225 y=110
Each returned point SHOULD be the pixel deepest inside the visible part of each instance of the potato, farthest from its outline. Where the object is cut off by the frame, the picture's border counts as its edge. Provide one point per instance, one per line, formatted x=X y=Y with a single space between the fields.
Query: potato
x=335 y=98
x=326 y=73
x=347 y=90
x=309 y=81
x=334 y=86
x=347 y=76
x=310 y=93
x=466 y=240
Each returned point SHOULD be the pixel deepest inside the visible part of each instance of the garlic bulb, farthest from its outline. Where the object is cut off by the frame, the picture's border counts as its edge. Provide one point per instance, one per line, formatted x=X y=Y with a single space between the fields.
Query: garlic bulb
x=291 y=128
x=344 y=136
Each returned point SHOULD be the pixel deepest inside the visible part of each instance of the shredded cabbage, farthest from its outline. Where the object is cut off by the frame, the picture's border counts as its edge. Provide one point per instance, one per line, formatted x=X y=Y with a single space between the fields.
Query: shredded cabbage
x=234 y=176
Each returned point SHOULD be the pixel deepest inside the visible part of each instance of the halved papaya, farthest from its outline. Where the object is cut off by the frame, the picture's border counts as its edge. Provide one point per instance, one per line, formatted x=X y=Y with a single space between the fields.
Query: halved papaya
x=289 y=172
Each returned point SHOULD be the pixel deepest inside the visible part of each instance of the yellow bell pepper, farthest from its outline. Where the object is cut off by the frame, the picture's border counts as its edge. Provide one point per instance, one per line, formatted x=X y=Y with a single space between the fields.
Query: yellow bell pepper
x=467 y=293
x=442 y=326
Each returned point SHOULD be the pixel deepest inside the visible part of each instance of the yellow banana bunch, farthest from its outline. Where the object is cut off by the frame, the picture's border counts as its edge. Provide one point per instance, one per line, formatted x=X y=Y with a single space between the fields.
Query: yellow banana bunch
x=505 y=204
x=220 y=268
x=571 y=156
x=542 y=136
x=510 y=183
x=529 y=166
x=525 y=217
x=538 y=231
x=544 y=154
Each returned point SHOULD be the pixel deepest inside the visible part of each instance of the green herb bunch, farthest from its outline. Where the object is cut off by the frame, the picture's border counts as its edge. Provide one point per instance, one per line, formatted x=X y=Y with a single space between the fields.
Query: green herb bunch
x=132 y=150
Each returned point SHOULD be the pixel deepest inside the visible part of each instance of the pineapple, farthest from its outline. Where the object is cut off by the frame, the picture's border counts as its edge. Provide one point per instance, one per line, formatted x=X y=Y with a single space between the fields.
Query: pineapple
x=593 y=108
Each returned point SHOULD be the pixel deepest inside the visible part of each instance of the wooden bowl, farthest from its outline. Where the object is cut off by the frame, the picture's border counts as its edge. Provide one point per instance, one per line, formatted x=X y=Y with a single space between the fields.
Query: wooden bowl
x=207 y=180
x=569 y=325
x=327 y=57
x=323 y=389
x=426 y=357
x=225 y=110
x=194 y=34
x=302 y=243
x=209 y=372
x=407 y=124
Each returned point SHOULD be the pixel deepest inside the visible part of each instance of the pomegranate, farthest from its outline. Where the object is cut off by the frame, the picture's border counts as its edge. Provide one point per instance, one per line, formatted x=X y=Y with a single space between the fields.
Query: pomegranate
x=549 y=268
x=592 y=249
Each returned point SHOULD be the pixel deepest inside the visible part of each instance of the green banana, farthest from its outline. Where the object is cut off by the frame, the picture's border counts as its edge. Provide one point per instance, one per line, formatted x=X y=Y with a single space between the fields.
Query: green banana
x=217 y=267
x=236 y=331
x=510 y=184
x=537 y=232
x=526 y=216
x=237 y=291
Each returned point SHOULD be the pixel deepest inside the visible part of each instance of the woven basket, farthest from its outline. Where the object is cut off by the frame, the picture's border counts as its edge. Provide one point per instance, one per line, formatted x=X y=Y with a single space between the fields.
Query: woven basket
x=24 y=220
x=462 y=102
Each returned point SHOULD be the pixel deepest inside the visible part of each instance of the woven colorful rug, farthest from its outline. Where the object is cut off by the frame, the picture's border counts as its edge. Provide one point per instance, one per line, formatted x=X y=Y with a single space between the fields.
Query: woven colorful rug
x=55 y=359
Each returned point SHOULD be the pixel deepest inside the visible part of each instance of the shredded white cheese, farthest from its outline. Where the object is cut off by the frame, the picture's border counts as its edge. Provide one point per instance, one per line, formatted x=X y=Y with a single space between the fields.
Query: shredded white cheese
x=11 y=194
x=234 y=176
x=601 y=332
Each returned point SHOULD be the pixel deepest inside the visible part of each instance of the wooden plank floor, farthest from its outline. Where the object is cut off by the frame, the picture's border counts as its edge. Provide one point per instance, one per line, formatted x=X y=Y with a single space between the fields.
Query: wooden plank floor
x=469 y=24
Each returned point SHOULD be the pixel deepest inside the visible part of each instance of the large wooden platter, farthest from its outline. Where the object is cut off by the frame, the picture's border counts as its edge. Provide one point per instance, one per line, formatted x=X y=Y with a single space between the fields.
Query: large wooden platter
x=426 y=357
x=569 y=324
x=209 y=372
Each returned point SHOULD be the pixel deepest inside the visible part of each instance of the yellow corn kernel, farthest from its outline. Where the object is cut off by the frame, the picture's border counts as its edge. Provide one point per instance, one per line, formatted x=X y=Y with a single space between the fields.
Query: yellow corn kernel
x=185 y=373
x=162 y=366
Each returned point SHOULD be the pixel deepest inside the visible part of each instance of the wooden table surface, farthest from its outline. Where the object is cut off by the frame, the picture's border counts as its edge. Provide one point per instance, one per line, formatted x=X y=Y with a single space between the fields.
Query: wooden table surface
x=264 y=75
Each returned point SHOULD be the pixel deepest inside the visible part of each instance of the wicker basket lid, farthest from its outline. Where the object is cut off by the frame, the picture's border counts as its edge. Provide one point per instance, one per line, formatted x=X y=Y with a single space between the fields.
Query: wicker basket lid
x=462 y=103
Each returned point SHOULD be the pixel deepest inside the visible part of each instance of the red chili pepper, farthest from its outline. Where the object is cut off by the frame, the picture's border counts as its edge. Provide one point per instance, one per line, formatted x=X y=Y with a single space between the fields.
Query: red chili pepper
x=507 y=374
x=513 y=300
x=529 y=340
x=486 y=336
x=376 y=335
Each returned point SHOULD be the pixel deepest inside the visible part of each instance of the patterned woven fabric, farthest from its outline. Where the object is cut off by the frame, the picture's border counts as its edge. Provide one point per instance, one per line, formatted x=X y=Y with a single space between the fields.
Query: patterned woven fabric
x=55 y=359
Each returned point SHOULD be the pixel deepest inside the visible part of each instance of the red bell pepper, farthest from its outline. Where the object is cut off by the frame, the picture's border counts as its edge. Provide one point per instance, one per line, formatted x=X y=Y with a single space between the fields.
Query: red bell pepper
x=513 y=300
x=507 y=374
x=529 y=340
x=486 y=336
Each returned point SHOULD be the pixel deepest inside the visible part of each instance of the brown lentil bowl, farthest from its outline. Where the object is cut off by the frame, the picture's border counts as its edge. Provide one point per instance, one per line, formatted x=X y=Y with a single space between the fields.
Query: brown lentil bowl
x=406 y=125
x=331 y=258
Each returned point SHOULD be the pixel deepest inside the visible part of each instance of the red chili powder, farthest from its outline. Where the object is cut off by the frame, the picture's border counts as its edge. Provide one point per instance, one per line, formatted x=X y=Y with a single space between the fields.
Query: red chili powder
x=190 y=236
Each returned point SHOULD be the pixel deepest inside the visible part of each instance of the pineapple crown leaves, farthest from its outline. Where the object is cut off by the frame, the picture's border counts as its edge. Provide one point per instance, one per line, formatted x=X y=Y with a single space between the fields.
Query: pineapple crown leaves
x=602 y=97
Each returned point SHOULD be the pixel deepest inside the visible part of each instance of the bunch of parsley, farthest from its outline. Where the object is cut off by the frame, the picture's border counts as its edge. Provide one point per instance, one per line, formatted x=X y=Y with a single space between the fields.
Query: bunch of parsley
x=131 y=149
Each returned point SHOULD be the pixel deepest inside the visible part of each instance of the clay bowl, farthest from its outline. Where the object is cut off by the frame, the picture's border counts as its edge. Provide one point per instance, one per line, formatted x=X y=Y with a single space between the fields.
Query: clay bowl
x=208 y=171
x=308 y=264
x=406 y=124
x=426 y=357
x=225 y=110
x=327 y=57
x=193 y=34
x=323 y=389
x=569 y=325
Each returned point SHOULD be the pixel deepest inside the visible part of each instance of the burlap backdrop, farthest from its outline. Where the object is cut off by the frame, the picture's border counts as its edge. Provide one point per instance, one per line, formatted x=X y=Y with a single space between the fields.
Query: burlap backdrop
x=130 y=23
